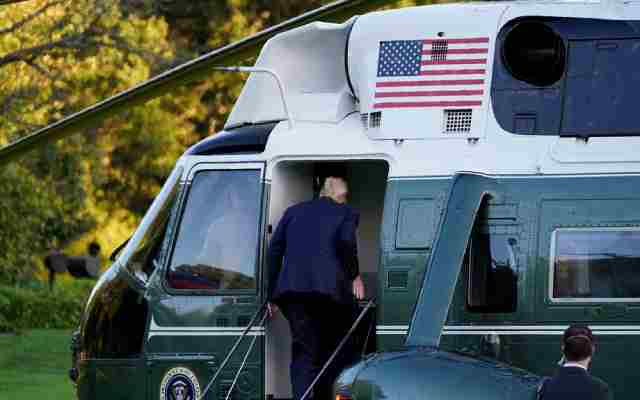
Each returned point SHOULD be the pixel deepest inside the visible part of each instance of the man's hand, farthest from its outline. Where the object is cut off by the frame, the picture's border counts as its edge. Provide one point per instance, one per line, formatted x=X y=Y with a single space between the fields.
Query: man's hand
x=358 y=288
x=272 y=310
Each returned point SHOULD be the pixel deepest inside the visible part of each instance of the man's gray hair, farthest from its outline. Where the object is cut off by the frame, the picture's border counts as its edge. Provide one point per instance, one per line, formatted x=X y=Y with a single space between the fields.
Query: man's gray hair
x=334 y=188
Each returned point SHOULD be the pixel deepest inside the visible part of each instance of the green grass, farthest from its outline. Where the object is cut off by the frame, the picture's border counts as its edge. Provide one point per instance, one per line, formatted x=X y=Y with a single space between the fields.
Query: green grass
x=34 y=365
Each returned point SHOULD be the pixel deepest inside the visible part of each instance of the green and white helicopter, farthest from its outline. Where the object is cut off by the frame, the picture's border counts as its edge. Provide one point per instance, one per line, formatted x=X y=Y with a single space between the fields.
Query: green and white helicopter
x=493 y=152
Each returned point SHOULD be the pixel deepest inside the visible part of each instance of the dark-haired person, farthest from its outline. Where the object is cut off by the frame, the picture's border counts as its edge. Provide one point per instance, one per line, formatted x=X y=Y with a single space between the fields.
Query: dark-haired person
x=314 y=280
x=93 y=259
x=573 y=380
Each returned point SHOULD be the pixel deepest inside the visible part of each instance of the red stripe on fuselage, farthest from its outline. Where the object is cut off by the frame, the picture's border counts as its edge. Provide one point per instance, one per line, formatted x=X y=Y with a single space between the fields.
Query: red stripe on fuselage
x=458 y=40
x=423 y=104
x=453 y=72
x=456 y=51
x=431 y=83
x=430 y=93
x=451 y=62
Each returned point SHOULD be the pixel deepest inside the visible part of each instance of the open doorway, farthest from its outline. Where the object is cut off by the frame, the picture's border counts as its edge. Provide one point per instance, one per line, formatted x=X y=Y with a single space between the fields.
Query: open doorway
x=296 y=181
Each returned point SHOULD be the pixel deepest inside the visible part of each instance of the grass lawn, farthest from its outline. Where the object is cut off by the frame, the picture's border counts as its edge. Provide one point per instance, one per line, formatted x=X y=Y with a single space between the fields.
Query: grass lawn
x=34 y=365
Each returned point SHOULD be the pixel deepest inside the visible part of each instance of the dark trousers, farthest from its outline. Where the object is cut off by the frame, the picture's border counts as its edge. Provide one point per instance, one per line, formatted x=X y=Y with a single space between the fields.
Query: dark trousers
x=317 y=325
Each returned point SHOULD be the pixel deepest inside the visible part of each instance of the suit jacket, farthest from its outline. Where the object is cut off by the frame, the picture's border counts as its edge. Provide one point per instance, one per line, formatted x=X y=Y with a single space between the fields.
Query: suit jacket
x=574 y=383
x=314 y=251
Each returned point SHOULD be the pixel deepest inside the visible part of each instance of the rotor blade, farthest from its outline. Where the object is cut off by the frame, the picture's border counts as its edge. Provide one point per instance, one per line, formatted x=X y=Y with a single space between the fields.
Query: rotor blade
x=4 y=2
x=190 y=71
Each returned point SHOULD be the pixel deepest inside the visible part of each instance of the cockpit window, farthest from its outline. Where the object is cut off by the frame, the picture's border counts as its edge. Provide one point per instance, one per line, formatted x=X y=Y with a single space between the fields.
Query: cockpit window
x=217 y=243
x=143 y=253
x=595 y=264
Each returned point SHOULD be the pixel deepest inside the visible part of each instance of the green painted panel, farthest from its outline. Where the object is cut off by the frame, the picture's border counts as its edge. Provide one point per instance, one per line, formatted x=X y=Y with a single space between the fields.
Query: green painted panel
x=403 y=199
x=583 y=211
x=411 y=216
x=396 y=305
x=416 y=224
x=503 y=211
x=117 y=379
x=390 y=342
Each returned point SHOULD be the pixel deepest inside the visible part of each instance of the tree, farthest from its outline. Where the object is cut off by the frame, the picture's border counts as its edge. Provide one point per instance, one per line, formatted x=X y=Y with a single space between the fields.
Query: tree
x=57 y=57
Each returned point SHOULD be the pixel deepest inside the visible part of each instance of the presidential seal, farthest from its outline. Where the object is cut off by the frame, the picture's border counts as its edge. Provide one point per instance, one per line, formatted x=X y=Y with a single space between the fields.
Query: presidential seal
x=179 y=383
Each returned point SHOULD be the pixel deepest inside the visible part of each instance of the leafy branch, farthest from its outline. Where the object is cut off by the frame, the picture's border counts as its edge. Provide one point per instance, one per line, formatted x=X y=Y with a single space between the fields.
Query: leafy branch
x=30 y=17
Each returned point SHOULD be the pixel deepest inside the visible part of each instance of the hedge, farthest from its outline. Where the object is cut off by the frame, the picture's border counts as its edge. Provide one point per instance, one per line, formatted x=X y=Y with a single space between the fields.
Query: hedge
x=41 y=308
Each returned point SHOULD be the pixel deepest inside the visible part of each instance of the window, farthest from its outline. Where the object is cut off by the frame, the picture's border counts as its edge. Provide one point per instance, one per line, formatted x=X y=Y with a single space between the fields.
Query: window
x=492 y=277
x=217 y=243
x=595 y=264
x=534 y=53
x=143 y=252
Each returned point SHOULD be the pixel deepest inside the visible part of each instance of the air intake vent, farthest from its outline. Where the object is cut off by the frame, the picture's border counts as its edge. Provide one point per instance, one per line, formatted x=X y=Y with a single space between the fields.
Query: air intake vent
x=365 y=120
x=375 y=119
x=439 y=49
x=457 y=121
x=397 y=279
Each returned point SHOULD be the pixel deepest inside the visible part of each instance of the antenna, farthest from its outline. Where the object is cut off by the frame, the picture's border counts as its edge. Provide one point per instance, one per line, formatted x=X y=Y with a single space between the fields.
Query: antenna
x=275 y=75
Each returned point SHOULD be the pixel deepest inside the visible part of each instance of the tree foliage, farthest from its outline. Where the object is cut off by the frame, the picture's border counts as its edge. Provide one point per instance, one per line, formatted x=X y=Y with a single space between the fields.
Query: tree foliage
x=57 y=57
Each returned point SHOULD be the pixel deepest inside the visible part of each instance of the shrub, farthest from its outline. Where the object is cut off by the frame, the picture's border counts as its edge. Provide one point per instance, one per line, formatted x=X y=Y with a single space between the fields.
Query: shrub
x=41 y=308
x=5 y=326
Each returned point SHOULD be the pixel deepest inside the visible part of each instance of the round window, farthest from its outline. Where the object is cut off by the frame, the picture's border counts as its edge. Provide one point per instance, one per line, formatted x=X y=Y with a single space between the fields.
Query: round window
x=534 y=53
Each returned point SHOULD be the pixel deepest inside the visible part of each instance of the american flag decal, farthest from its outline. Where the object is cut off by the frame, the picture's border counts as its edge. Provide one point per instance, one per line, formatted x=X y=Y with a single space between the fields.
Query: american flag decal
x=431 y=73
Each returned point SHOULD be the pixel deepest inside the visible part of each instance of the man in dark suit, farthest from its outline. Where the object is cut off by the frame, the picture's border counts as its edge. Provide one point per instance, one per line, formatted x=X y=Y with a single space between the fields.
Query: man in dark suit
x=318 y=283
x=573 y=381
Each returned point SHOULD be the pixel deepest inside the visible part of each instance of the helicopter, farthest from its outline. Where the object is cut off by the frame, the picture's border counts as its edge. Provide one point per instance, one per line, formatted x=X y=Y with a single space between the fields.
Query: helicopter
x=491 y=150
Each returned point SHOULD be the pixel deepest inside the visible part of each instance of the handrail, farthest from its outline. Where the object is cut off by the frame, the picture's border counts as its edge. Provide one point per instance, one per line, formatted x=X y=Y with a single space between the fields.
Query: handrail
x=340 y=345
x=244 y=360
x=233 y=349
x=366 y=340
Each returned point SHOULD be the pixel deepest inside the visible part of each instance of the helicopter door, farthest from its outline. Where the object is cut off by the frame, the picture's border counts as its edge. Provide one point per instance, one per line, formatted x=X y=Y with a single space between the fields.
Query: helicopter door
x=212 y=277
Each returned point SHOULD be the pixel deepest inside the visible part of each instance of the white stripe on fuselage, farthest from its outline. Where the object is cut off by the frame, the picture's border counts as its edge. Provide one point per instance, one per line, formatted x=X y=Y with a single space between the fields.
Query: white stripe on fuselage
x=513 y=329
x=466 y=330
x=201 y=333
x=158 y=330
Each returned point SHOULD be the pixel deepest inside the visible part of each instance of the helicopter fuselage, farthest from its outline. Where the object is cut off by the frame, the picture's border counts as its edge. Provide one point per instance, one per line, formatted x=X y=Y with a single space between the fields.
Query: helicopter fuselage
x=492 y=151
